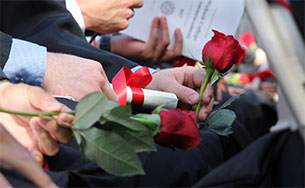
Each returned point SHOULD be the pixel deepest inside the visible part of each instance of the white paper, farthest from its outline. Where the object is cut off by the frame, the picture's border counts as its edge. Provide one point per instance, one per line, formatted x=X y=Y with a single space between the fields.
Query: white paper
x=196 y=19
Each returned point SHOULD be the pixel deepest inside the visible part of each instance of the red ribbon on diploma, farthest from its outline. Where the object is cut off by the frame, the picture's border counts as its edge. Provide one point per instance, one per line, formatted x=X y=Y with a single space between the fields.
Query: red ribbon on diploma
x=137 y=80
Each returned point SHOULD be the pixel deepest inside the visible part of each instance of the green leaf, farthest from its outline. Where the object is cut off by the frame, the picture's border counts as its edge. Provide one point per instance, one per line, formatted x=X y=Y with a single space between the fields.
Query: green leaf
x=111 y=152
x=77 y=136
x=225 y=104
x=229 y=101
x=121 y=115
x=152 y=121
x=215 y=77
x=89 y=110
x=110 y=125
x=221 y=121
x=221 y=129
x=111 y=105
x=223 y=116
x=80 y=142
x=158 y=109
x=140 y=141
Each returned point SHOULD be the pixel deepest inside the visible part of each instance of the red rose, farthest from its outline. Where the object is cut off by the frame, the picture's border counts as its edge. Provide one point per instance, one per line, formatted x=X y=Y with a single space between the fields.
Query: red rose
x=224 y=52
x=247 y=38
x=181 y=61
x=263 y=75
x=178 y=128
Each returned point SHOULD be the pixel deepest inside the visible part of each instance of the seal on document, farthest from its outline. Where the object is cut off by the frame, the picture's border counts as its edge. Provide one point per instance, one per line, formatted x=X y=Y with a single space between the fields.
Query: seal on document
x=167 y=7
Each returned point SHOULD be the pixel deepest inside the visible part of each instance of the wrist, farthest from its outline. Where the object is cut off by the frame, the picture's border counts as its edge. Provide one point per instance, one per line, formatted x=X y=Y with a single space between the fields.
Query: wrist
x=105 y=41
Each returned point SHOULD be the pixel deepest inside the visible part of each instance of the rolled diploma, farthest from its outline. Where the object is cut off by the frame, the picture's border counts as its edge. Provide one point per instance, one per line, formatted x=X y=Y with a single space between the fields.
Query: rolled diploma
x=154 y=98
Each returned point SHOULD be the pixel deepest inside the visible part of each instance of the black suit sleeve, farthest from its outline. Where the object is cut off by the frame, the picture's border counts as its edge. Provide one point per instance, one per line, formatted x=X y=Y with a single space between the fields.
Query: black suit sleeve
x=5 y=48
x=48 y=23
x=2 y=75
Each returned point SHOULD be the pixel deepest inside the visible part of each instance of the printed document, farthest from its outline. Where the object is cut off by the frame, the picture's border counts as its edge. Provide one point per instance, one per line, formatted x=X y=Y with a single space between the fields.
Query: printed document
x=195 y=18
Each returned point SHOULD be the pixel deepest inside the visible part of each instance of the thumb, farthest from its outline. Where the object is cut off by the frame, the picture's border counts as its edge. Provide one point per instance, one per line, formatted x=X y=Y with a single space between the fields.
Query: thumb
x=185 y=94
x=43 y=101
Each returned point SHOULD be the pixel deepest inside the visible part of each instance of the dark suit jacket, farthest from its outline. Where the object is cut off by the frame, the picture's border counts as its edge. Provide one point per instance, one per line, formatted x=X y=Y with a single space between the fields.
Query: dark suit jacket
x=48 y=23
x=5 y=48
x=274 y=160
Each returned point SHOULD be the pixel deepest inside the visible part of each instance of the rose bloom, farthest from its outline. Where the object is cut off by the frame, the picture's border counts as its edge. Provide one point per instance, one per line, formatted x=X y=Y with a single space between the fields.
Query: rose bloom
x=224 y=52
x=178 y=128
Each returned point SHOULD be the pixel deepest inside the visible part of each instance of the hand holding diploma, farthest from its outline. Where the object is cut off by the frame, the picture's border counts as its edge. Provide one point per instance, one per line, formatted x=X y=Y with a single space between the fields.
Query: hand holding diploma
x=195 y=18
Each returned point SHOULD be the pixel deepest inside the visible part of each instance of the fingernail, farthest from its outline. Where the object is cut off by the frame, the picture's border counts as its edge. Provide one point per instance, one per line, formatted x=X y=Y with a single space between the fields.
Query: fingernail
x=193 y=98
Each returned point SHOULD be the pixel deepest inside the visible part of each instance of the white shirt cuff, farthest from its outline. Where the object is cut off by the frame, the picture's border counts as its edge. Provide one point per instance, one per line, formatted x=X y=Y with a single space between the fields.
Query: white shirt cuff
x=26 y=63
x=74 y=9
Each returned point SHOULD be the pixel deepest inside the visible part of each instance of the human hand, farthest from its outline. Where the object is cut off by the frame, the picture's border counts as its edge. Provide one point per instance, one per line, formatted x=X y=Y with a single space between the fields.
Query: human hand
x=155 y=50
x=13 y=155
x=68 y=75
x=218 y=96
x=185 y=82
x=104 y=16
x=232 y=91
x=39 y=136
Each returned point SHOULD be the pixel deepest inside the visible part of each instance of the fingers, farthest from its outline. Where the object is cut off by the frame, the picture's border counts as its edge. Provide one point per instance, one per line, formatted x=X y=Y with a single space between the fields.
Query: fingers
x=218 y=95
x=234 y=91
x=137 y=4
x=61 y=134
x=48 y=132
x=154 y=34
x=176 y=51
x=198 y=78
x=164 y=41
x=208 y=94
x=106 y=88
x=185 y=94
x=110 y=94
x=205 y=110
x=18 y=158
x=34 y=173
x=179 y=81
x=42 y=101
x=46 y=143
x=178 y=41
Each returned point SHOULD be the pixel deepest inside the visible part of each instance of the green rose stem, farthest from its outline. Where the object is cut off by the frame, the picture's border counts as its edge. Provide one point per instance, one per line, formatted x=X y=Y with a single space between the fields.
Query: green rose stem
x=45 y=115
x=209 y=72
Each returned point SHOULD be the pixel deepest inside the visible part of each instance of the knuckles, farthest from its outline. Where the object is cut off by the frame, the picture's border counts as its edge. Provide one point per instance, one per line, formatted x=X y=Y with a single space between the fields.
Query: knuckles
x=123 y=25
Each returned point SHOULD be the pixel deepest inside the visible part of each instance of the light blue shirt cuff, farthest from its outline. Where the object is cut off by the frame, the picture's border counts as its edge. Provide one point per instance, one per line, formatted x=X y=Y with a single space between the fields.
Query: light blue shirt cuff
x=26 y=63
x=151 y=70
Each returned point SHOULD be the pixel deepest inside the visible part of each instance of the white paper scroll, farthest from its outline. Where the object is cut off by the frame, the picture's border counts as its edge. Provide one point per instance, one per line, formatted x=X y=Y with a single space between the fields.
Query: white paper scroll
x=153 y=99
